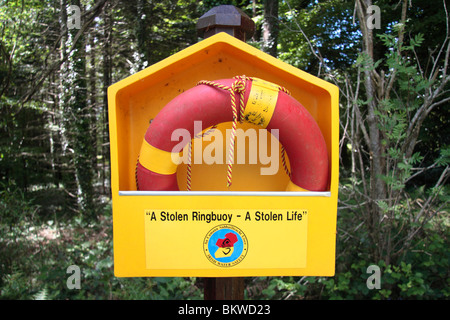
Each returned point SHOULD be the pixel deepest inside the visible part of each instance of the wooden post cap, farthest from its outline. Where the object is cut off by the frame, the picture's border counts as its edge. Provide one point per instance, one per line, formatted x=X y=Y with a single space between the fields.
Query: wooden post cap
x=226 y=18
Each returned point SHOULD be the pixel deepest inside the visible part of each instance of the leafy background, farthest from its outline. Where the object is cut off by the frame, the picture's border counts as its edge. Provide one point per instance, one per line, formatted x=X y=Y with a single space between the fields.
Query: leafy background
x=55 y=207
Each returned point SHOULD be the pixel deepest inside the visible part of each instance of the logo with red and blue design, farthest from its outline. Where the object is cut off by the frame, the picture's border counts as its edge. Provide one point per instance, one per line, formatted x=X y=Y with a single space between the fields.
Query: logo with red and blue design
x=225 y=245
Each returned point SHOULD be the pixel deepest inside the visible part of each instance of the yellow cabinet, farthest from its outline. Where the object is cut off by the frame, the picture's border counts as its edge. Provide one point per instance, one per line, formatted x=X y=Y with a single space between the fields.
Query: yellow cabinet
x=252 y=228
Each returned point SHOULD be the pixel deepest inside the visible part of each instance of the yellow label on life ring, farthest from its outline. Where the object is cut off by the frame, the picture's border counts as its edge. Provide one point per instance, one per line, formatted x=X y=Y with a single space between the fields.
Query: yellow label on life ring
x=157 y=160
x=261 y=102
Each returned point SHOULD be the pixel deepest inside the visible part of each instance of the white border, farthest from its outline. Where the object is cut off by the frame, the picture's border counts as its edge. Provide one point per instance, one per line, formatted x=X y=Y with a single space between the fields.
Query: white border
x=228 y=193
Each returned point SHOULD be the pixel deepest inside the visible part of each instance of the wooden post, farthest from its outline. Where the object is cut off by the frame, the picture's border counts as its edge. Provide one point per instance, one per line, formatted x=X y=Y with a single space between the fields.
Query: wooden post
x=223 y=288
x=229 y=19
x=226 y=18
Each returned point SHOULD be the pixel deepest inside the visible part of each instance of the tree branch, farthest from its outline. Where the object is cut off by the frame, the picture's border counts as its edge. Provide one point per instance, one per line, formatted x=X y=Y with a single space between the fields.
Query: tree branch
x=94 y=12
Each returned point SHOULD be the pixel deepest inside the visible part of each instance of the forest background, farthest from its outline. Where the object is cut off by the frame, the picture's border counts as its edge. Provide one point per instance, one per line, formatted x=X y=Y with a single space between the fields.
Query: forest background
x=55 y=201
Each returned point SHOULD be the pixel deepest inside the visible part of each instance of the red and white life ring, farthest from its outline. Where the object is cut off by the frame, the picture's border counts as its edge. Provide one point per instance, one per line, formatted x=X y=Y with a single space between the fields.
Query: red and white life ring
x=299 y=133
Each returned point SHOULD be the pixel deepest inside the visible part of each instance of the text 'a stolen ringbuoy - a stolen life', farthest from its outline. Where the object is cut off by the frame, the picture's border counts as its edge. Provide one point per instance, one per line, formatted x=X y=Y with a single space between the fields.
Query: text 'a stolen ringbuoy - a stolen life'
x=209 y=216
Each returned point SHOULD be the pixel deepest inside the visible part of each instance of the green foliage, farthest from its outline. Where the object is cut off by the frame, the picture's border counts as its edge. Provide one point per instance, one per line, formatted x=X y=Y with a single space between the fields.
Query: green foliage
x=35 y=255
x=16 y=228
x=327 y=25
x=423 y=274
x=40 y=236
x=160 y=28
x=21 y=150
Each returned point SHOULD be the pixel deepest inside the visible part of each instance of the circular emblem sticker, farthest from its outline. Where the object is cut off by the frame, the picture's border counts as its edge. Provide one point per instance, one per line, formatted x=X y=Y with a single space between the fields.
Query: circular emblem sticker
x=225 y=245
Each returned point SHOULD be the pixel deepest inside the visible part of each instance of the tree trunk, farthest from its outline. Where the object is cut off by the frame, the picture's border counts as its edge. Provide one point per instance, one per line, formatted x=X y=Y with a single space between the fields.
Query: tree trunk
x=78 y=122
x=376 y=150
x=67 y=169
x=270 y=27
x=107 y=71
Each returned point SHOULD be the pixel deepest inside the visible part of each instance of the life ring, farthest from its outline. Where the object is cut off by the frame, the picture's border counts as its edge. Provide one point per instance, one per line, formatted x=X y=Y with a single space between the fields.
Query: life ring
x=265 y=104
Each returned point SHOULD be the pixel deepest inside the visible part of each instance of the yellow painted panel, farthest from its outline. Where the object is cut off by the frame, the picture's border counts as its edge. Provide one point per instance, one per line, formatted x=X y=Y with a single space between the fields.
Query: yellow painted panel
x=144 y=247
x=260 y=233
